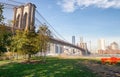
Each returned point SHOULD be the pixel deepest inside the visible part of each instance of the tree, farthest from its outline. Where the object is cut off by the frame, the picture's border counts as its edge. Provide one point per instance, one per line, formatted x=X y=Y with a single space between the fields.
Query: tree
x=5 y=38
x=26 y=42
x=1 y=12
x=5 y=35
x=17 y=41
x=31 y=43
x=44 y=35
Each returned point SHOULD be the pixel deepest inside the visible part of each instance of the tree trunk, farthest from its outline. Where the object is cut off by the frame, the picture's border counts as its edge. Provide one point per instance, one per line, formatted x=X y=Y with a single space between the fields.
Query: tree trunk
x=29 y=57
x=44 y=57
x=41 y=54
x=13 y=55
x=17 y=55
x=0 y=53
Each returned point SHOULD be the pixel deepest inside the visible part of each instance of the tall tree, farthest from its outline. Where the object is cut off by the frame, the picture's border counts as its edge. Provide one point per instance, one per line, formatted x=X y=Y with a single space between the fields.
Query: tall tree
x=31 y=43
x=26 y=42
x=1 y=13
x=44 y=35
x=5 y=35
x=5 y=38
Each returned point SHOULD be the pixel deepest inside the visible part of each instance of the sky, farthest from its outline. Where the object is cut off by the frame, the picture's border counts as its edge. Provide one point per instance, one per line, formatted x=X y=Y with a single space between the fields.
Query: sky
x=90 y=19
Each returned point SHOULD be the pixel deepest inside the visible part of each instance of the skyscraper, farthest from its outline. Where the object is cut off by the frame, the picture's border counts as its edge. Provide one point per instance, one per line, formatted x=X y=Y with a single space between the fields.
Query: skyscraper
x=101 y=44
x=81 y=39
x=114 y=46
x=73 y=40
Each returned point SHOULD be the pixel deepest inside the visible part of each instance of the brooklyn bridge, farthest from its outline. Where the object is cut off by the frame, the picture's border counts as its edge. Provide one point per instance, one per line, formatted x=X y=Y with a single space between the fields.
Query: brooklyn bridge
x=24 y=17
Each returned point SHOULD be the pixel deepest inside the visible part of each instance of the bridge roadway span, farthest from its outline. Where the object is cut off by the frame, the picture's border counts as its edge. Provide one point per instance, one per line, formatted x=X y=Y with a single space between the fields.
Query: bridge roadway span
x=58 y=41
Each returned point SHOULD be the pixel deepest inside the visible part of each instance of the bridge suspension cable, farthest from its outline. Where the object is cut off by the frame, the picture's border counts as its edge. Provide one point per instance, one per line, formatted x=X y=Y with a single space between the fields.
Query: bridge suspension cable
x=8 y=4
x=16 y=2
x=40 y=23
x=50 y=25
x=38 y=20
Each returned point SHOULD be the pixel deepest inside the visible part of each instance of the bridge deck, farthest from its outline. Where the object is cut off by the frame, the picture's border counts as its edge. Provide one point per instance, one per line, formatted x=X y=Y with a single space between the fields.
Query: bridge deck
x=65 y=43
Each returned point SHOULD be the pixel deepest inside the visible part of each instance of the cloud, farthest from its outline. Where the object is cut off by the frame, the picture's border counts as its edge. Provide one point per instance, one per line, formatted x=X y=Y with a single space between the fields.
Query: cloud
x=72 y=5
x=68 y=5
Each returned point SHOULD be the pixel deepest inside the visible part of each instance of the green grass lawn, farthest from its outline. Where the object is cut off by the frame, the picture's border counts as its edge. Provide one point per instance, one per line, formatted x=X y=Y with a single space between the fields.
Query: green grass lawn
x=54 y=67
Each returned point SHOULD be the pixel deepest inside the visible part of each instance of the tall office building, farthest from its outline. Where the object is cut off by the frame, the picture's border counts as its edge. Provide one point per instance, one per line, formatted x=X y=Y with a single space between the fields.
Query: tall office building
x=73 y=40
x=114 y=46
x=101 y=44
x=81 y=39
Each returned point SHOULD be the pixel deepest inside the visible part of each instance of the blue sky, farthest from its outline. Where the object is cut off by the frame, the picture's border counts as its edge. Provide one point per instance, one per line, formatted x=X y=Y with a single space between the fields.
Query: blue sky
x=91 y=19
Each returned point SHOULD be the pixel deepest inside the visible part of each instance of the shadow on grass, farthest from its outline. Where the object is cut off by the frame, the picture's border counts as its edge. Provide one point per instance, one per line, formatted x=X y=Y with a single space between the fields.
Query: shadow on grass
x=52 y=68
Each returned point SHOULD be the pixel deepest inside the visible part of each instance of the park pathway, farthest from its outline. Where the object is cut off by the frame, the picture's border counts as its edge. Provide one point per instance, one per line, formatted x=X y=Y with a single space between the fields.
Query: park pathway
x=103 y=70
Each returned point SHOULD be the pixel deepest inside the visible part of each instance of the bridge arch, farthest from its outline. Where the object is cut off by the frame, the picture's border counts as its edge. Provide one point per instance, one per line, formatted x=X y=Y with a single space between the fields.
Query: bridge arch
x=24 y=20
x=27 y=16
x=18 y=20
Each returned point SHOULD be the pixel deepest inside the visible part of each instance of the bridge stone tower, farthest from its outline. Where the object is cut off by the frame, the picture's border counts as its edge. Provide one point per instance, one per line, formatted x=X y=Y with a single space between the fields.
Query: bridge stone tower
x=24 y=17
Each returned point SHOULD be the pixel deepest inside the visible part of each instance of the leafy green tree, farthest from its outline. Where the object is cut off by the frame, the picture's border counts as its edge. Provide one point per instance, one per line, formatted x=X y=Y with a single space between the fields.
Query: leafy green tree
x=31 y=43
x=26 y=42
x=5 y=38
x=1 y=12
x=17 y=41
x=5 y=35
x=44 y=37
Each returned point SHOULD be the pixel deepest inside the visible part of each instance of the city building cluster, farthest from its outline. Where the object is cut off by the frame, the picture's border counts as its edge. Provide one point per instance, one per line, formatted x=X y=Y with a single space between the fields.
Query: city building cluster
x=113 y=48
